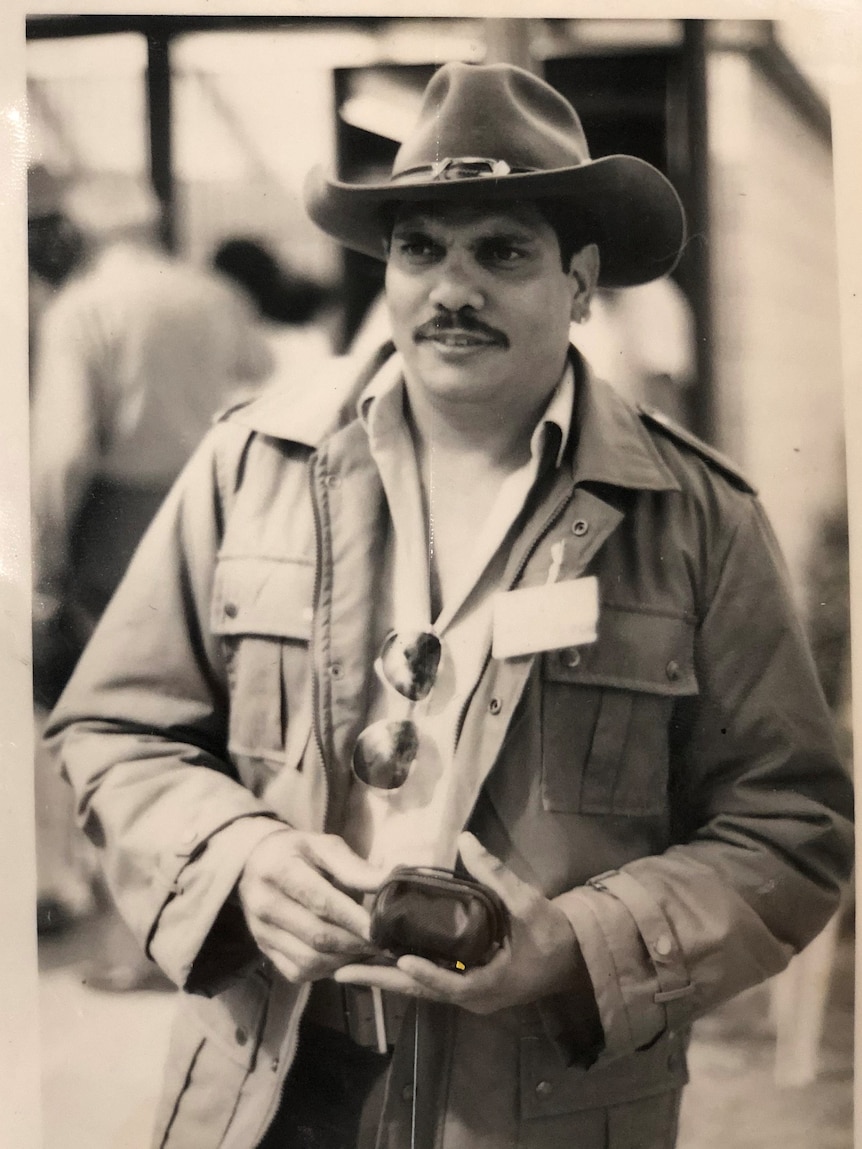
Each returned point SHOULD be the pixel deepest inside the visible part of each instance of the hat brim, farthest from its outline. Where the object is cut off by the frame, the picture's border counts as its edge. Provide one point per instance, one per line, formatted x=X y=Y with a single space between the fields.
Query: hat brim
x=636 y=213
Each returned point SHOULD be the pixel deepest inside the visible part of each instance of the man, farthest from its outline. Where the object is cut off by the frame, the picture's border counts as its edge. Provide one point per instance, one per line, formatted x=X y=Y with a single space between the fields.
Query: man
x=54 y=245
x=647 y=775
x=134 y=356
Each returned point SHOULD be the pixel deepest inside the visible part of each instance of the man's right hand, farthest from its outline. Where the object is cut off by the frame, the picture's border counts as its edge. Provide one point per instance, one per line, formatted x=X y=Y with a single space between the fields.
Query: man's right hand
x=300 y=918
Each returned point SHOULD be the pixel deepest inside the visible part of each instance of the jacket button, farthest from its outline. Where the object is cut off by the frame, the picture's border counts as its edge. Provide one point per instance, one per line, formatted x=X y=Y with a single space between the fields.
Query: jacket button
x=231 y=609
x=332 y=480
x=336 y=670
x=544 y=1089
x=663 y=946
x=580 y=527
x=495 y=705
x=673 y=671
x=241 y=1036
x=571 y=657
x=407 y=1092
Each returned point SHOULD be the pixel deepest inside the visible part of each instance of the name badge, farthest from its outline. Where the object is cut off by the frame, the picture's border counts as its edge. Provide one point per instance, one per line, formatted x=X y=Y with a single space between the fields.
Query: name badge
x=548 y=617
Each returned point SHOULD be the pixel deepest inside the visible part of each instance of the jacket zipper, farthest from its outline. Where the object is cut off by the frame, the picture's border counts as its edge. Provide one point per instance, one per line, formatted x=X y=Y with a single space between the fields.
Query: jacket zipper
x=315 y=602
x=287 y=1054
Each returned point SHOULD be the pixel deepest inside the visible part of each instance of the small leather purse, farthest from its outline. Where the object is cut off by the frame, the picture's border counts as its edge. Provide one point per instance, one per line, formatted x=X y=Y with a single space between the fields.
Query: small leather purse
x=453 y=921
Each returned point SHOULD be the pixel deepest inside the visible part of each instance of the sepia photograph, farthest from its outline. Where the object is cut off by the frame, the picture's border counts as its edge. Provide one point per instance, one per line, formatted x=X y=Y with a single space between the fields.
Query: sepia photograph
x=437 y=704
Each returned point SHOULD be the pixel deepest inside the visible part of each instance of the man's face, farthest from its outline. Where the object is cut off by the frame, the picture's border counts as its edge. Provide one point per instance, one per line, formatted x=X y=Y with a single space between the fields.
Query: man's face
x=480 y=303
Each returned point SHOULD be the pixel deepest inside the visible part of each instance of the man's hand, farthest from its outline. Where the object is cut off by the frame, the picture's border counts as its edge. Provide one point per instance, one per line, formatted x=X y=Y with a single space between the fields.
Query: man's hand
x=540 y=957
x=297 y=914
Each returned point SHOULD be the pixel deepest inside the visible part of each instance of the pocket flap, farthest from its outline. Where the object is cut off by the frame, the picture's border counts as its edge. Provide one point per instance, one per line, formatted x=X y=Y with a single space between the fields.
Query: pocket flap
x=233 y=1018
x=636 y=649
x=263 y=596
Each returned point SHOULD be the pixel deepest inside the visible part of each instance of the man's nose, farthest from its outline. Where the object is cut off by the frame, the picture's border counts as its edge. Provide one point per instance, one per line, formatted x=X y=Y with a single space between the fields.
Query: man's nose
x=457 y=287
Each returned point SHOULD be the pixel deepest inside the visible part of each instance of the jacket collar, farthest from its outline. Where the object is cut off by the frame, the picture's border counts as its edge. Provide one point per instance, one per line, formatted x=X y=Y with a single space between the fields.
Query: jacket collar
x=309 y=410
x=611 y=444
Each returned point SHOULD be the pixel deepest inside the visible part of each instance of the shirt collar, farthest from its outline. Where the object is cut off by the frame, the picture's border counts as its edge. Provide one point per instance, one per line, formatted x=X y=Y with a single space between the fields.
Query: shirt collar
x=613 y=446
x=380 y=408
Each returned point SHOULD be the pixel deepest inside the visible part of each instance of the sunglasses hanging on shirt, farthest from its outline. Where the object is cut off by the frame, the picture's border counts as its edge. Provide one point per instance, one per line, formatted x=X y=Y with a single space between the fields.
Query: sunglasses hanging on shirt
x=386 y=750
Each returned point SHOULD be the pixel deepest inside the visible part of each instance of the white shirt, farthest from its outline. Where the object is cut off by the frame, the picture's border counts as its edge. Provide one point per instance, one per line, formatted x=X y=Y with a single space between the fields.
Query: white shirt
x=418 y=823
x=135 y=357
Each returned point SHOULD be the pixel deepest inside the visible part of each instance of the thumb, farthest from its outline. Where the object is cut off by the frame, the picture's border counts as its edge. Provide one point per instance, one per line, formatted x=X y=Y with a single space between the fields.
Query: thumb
x=487 y=868
x=333 y=856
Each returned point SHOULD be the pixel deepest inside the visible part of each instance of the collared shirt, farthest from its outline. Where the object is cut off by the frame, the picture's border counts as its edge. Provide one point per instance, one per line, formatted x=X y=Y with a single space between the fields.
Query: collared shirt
x=419 y=822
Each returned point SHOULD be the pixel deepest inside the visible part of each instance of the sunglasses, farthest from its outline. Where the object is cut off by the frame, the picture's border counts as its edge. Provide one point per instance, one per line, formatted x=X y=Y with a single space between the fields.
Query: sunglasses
x=385 y=750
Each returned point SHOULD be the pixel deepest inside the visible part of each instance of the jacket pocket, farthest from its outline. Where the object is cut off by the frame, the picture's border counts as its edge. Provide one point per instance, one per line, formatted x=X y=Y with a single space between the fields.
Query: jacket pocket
x=606 y=713
x=547 y=1089
x=213 y=1049
x=262 y=611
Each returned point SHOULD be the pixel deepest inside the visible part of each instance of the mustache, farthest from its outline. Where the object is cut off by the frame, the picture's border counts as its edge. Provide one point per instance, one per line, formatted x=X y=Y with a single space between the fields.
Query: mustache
x=458 y=321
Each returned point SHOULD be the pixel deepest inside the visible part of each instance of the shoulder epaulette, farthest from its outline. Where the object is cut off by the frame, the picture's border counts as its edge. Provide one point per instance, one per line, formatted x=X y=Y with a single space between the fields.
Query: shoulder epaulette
x=657 y=419
x=225 y=413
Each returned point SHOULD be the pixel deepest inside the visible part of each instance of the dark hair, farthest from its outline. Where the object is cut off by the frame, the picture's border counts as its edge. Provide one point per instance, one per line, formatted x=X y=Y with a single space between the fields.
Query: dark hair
x=573 y=230
x=55 y=247
x=277 y=294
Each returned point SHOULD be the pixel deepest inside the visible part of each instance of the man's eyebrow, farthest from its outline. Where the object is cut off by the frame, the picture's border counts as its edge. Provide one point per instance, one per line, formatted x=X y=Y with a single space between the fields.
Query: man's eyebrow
x=510 y=231
x=414 y=223
x=495 y=231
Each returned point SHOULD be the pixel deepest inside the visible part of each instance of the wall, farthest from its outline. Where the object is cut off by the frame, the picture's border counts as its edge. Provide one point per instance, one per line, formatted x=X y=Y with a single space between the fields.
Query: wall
x=778 y=373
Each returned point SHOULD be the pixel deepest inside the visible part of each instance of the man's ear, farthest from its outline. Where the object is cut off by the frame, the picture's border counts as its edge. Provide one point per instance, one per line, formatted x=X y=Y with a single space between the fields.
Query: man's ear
x=584 y=273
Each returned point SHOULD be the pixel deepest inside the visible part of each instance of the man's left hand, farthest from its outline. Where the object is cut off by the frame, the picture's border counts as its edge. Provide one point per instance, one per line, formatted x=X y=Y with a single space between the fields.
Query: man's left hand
x=540 y=956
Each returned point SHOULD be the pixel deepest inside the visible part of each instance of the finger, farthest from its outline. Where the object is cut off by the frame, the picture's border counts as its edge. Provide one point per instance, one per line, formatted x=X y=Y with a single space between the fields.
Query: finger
x=380 y=976
x=478 y=978
x=516 y=894
x=323 y=937
x=439 y=982
x=302 y=883
x=332 y=855
x=296 y=961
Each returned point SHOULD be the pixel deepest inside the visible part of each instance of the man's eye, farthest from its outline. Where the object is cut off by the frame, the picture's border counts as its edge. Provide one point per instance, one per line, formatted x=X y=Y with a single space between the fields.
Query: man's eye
x=416 y=247
x=503 y=253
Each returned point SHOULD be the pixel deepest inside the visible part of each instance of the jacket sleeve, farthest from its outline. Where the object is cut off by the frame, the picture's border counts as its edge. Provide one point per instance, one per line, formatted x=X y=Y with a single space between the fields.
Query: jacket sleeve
x=140 y=732
x=763 y=807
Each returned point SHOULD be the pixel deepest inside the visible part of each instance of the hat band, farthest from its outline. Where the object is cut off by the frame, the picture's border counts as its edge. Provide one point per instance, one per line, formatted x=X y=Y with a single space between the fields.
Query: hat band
x=460 y=168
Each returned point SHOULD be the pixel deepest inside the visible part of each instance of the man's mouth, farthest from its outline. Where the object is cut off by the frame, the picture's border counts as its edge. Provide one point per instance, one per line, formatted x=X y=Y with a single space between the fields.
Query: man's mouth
x=458 y=339
x=459 y=335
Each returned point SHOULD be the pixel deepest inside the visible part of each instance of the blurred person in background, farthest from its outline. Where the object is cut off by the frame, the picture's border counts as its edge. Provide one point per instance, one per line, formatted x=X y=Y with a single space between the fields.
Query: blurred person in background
x=134 y=357
x=641 y=341
x=55 y=246
x=292 y=308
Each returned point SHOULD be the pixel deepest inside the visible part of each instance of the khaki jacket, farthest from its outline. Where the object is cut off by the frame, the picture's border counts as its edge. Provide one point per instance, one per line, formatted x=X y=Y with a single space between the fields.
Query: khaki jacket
x=675 y=786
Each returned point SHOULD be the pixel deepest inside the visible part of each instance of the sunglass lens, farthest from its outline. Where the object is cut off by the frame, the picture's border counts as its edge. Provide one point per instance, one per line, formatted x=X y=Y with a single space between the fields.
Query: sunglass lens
x=410 y=661
x=384 y=753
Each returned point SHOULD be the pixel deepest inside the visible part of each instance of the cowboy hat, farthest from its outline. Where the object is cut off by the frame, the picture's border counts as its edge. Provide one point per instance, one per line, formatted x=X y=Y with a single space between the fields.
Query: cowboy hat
x=497 y=133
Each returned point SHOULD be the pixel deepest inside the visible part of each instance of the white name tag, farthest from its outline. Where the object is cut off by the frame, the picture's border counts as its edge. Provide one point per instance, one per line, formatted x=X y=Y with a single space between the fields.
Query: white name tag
x=546 y=617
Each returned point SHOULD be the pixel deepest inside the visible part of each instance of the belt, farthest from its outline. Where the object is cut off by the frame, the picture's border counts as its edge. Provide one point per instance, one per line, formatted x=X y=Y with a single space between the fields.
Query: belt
x=350 y=1009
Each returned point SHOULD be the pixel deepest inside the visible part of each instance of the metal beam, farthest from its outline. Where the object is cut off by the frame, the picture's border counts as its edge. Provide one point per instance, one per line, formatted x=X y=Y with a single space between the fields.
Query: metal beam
x=160 y=130
x=697 y=258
